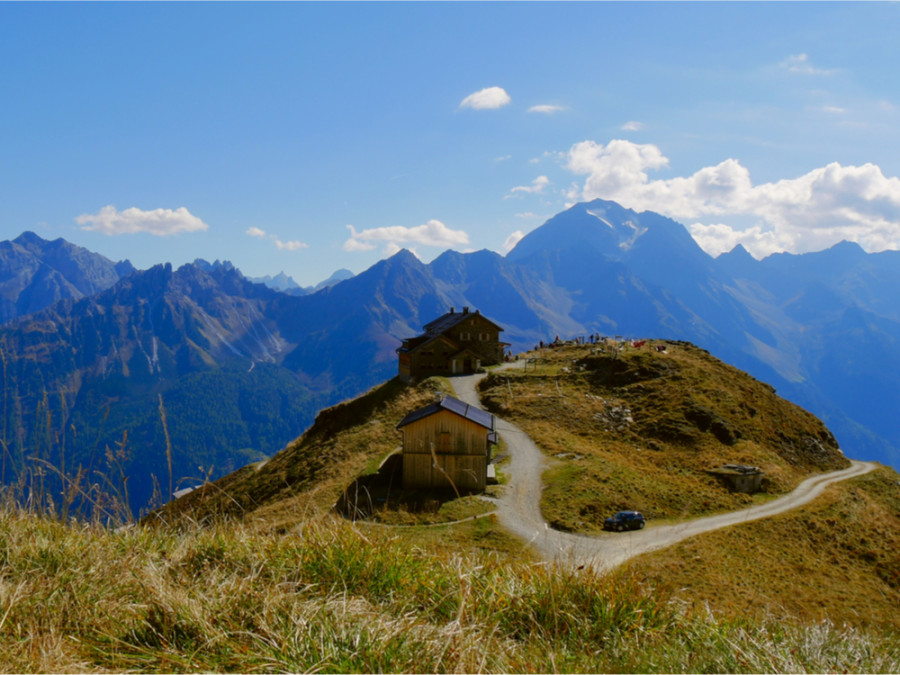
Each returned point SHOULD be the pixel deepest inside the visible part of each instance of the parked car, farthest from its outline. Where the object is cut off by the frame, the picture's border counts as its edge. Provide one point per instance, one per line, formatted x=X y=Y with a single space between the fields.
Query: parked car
x=625 y=520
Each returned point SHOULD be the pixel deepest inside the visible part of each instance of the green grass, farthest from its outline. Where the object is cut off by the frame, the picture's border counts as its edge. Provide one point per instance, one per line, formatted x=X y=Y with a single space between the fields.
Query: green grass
x=329 y=596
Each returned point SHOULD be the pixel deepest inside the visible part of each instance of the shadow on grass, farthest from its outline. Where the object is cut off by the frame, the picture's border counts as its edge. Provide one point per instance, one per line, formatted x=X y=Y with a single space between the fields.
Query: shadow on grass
x=380 y=496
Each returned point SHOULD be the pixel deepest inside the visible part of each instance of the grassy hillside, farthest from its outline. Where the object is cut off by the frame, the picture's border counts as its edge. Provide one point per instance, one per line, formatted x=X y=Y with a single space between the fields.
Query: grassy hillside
x=257 y=572
x=638 y=429
x=309 y=477
x=837 y=559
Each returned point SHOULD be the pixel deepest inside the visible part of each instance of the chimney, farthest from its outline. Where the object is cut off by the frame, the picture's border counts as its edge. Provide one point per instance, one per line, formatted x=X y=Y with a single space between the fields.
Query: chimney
x=465 y=310
x=452 y=309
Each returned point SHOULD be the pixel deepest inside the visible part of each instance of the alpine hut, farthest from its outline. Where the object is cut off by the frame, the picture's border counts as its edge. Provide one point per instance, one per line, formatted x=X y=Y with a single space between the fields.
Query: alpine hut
x=453 y=344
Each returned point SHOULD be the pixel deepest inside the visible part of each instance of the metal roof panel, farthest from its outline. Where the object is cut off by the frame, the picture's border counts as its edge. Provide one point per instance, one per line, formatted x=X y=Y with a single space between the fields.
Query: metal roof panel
x=454 y=405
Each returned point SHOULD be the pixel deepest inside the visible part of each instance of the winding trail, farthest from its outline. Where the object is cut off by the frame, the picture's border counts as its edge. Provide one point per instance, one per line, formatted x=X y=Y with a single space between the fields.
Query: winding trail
x=519 y=511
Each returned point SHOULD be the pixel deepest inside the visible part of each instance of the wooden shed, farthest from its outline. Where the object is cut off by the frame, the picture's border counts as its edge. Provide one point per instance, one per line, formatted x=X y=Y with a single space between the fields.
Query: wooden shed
x=447 y=445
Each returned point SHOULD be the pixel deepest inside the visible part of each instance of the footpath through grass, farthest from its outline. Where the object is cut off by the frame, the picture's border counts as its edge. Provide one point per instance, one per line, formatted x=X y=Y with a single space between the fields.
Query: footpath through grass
x=328 y=596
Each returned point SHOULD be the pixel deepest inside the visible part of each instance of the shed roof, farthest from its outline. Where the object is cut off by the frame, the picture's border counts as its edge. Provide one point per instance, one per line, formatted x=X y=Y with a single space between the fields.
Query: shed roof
x=455 y=406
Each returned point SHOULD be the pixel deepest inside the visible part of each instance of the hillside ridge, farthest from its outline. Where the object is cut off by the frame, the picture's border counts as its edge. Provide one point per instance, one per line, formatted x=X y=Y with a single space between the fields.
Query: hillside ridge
x=689 y=411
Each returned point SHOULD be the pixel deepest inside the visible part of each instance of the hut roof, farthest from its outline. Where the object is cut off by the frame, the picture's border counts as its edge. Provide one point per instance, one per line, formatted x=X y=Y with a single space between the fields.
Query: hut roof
x=451 y=318
x=455 y=406
x=412 y=344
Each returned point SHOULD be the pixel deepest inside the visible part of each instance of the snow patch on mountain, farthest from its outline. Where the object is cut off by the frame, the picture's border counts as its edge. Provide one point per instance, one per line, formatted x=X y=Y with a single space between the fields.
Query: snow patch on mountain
x=599 y=215
x=636 y=232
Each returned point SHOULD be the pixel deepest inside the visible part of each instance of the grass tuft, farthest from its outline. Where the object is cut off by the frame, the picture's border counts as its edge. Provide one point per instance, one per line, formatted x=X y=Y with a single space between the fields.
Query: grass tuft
x=333 y=597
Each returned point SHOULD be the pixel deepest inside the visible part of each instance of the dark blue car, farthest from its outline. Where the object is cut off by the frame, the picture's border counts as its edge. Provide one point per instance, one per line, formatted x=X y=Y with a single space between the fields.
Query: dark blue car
x=625 y=520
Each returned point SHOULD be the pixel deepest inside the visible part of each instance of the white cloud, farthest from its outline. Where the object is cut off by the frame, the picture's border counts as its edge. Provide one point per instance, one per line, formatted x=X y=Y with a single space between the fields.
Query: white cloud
x=537 y=186
x=545 y=109
x=294 y=245
x=283 y=245
x=354 y=245
x=833 y=109
x=432 y=233
x=800 y=64
x=489 y=98
x=632 y=126
x=811 y=212
x=503 y=158
x=160 y=222
x=512 y=240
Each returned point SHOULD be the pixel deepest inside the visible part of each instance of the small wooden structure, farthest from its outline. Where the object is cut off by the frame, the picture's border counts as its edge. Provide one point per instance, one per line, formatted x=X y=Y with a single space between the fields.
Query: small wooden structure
x=453 y=344
x=739 y=478
x=447 y=445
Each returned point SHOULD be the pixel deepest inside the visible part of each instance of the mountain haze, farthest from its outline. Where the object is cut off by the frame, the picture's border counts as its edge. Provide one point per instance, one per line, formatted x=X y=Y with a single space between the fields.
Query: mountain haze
x=820 y=327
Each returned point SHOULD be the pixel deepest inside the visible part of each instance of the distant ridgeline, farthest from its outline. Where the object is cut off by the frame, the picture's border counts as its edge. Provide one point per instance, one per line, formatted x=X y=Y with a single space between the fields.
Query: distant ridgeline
x=88 y=346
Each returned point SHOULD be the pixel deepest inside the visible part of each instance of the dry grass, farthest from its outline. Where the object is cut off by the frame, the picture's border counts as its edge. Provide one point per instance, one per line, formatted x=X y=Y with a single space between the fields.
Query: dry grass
x=330 y=597
x=837 y=559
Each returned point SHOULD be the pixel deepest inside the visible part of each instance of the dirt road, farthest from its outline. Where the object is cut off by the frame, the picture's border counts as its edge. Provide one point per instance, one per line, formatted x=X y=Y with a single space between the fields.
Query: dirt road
x=519 y=511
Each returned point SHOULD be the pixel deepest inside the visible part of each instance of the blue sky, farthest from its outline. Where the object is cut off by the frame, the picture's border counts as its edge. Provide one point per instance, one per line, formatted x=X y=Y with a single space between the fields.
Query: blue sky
x=308 y=137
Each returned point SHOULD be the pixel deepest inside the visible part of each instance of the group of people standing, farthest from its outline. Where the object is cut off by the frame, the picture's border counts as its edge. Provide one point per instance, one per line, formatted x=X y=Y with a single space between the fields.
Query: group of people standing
x=593 y=338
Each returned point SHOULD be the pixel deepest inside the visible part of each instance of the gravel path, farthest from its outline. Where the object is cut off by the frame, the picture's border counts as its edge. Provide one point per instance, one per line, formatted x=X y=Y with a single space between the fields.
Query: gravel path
x=518 y=510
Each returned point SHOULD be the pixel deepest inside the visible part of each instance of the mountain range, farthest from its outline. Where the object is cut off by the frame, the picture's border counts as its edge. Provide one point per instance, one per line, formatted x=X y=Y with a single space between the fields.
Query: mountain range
x=282 y=282
x=35 y=273
x=98 y=355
